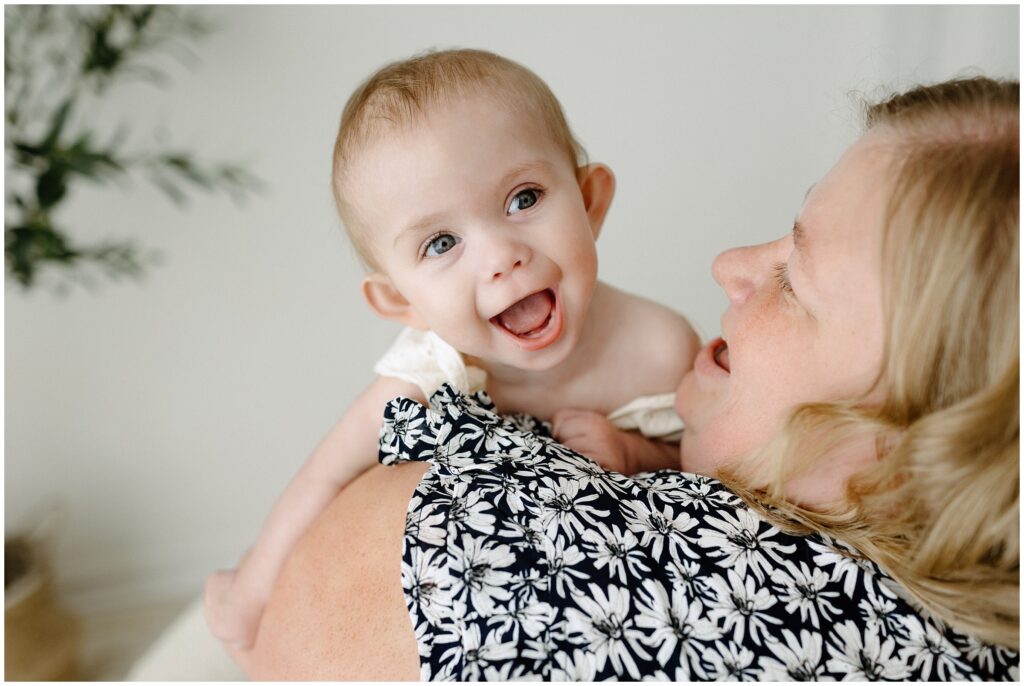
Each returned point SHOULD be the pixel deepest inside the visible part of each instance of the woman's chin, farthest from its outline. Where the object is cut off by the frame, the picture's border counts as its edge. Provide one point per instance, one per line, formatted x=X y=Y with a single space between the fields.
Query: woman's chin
x=685 y=392
x=690 y=458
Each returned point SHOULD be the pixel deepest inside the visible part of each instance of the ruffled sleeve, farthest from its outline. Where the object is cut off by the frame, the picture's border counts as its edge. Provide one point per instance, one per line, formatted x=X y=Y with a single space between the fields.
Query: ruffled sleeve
x=424 y=359
x=456 y=426
x=654 y=416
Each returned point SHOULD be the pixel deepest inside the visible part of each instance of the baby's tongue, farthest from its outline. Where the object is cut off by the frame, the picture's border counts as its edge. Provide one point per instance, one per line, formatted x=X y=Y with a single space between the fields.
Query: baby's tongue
x=528 y=314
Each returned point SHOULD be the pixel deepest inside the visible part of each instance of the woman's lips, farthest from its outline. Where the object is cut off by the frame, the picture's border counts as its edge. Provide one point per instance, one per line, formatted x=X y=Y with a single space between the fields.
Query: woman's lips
x=713 y=359
x=721 y=355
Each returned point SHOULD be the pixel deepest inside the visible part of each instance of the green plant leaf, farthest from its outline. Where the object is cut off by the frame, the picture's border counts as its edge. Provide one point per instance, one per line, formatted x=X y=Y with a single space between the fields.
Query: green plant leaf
x=51 y=186
x=186 y=168
x=60 y=118
x=101 y=55
x=175 y=194
x=29 y=246
x=26 y=152
x=53 y=57
x=142 y=16
x=91 y=163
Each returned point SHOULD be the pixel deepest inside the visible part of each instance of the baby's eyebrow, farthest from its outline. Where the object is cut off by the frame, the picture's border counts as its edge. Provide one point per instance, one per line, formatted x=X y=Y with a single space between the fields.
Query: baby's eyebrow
x=419 y=226
x=530 y=166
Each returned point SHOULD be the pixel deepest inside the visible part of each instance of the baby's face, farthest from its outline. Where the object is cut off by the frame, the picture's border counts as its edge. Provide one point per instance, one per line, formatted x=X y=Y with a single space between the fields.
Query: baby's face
x=476 y=217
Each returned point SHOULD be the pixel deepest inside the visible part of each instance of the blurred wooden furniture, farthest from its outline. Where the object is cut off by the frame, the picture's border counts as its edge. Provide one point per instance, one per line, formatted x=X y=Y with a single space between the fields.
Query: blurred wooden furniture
x=42 y=640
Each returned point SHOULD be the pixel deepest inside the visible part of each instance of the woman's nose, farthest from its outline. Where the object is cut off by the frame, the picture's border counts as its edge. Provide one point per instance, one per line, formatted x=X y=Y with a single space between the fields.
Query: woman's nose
x=731 y=270
x=739 y=270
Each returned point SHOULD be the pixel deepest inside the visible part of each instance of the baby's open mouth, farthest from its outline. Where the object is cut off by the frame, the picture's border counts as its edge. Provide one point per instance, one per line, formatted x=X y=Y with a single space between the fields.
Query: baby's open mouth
x=721 y=355
x=530 y=317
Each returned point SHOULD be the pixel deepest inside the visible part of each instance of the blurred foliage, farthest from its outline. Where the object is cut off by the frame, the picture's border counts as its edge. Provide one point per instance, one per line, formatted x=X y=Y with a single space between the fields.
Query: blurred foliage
x=59 y=60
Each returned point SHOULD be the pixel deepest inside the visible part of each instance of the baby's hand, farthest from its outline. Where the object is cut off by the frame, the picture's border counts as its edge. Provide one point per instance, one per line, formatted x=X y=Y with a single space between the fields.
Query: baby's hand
x=232 y=614
x=591 y=434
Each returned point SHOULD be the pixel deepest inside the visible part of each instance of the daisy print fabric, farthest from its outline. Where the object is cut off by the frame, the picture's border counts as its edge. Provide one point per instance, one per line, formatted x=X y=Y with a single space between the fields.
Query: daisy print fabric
x=523 y=560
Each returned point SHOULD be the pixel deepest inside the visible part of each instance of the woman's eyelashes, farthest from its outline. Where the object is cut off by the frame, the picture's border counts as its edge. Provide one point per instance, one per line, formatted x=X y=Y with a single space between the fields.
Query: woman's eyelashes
x=438 y=244
x=781 y=270
x=524 y=199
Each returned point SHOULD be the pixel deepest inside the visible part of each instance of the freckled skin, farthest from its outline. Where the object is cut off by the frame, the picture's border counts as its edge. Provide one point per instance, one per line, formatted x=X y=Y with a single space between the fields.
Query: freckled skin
x=822 y=342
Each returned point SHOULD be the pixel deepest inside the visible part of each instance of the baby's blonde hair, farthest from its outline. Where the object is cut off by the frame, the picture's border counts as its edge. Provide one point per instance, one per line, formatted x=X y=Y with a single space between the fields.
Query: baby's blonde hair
x=940 y=509
x=402 y=93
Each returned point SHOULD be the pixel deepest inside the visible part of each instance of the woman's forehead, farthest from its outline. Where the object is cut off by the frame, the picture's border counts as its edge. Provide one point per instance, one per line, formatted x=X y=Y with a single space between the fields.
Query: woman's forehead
x=838 y=233
x=852 y=196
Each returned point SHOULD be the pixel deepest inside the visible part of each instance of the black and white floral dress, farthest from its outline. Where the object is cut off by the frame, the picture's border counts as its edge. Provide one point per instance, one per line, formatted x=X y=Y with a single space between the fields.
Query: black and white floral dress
x=524 y=560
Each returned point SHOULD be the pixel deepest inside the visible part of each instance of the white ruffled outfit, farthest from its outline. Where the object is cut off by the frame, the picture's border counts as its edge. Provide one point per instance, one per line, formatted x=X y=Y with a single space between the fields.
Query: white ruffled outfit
x=422 y=358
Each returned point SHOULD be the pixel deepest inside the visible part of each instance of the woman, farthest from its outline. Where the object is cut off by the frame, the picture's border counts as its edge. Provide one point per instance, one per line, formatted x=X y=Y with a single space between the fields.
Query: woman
x=865 y=391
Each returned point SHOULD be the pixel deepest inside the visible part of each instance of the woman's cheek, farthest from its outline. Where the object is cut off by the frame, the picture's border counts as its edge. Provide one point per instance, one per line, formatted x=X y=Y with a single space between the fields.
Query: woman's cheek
x=684 y=394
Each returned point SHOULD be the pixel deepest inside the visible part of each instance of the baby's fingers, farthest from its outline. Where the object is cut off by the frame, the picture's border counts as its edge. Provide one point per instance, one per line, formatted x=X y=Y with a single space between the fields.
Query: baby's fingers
x=218 y=586
x=569 y=423
x=229 y=617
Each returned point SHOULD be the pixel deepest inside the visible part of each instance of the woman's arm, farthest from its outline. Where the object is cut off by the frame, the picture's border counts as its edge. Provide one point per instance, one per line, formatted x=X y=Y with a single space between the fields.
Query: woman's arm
x=337 y=612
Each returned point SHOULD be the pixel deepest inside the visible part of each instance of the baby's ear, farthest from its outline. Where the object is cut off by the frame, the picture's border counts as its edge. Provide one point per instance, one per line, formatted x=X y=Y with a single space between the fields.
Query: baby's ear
x=386 y=300
x=597 y=184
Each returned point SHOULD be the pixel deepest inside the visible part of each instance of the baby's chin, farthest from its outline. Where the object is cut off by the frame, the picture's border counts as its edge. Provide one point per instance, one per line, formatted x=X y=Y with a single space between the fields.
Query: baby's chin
x=513 y=357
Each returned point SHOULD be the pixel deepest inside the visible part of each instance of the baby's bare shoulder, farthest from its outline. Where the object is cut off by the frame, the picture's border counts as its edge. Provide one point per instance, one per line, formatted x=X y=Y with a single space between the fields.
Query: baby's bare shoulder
x=657 y=334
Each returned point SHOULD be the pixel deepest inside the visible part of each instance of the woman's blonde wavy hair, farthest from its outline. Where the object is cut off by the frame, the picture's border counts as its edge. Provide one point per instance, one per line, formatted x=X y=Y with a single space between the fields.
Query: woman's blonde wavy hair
x=939 y=510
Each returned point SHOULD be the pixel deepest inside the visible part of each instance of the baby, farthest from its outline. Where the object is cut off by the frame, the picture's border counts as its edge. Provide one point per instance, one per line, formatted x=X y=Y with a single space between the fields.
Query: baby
x=473 y=207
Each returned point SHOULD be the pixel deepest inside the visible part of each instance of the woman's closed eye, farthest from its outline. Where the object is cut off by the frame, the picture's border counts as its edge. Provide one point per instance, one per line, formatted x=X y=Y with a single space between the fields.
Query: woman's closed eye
x=438 y=244
x=524 y=200
x=781 y=270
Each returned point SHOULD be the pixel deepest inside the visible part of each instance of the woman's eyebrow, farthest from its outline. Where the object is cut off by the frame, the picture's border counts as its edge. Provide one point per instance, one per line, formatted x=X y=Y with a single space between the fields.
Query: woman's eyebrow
x=800 y=245
x=799 y=237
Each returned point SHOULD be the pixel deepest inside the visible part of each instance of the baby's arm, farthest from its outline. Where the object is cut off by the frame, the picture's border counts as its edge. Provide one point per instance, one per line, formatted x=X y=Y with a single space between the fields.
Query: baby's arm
x=235 y=598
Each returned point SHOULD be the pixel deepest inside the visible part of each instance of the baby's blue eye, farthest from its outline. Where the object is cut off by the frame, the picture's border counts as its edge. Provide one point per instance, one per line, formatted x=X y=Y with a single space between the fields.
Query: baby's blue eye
x=524 y=199
x=439 y=244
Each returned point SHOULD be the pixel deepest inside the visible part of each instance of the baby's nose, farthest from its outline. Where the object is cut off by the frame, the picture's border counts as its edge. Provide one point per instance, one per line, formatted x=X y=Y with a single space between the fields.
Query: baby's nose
x=504 y=257
x=515 y=265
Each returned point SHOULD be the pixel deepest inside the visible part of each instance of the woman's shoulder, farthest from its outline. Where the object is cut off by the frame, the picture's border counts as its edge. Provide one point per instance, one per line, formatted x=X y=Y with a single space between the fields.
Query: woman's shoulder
x=337 y=612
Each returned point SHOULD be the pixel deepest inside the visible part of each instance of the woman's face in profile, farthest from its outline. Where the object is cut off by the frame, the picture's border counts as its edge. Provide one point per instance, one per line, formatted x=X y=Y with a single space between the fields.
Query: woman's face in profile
x=804 y=322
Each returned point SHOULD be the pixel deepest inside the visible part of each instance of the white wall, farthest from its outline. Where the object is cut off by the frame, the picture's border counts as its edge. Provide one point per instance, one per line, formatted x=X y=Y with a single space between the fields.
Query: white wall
x=166 y=415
